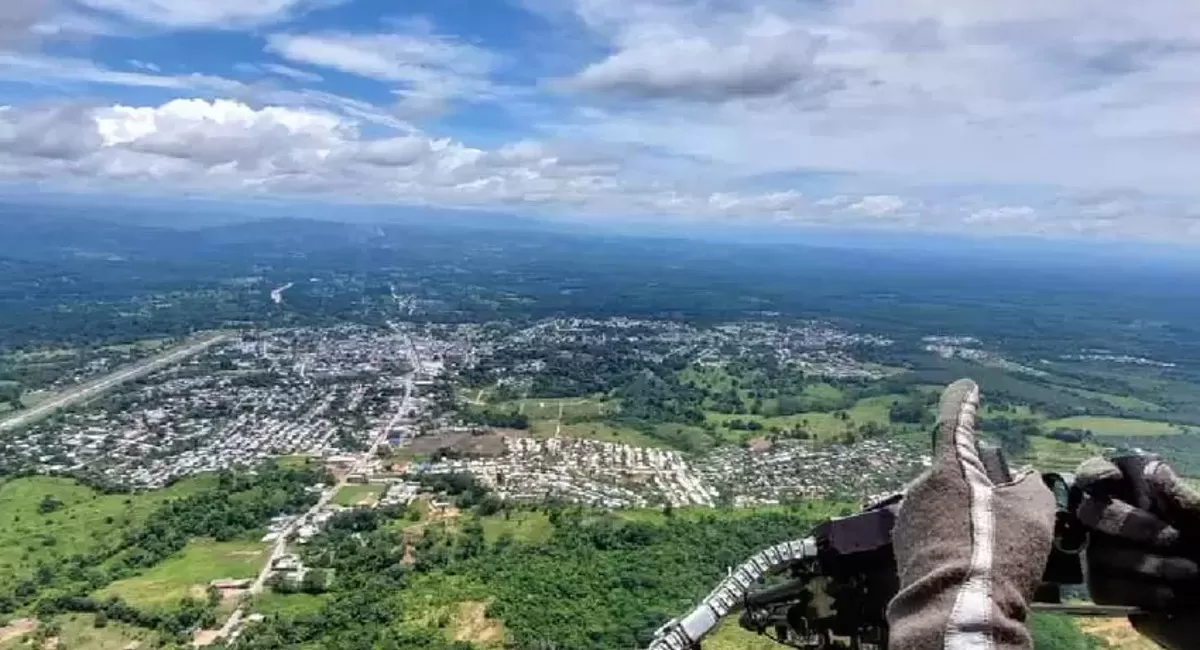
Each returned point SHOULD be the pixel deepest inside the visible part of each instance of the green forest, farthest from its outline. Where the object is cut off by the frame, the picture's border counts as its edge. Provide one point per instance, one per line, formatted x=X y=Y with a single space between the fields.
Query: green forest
x=547 y=577
x=74 y=561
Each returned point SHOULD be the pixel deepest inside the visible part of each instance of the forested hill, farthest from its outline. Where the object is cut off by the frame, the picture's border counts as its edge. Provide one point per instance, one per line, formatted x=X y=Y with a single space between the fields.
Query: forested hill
x=533 y=578
x=116 y=281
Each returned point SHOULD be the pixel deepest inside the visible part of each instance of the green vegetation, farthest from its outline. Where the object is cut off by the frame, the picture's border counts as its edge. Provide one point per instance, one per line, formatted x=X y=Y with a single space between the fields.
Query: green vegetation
x=1182 y=451
x=869 y=417
x=731 y=636
x=602 y=431
x=1059 y=633
x=85 y=523
x=570 y=576
x=521 y=526
x=140 y=542
x=81 y=632
x=1049 y=455
x=358 y=495
x=292 y=604
x=1125 y=402
x=579 y=578
x=189 y=573
x=1109 y=426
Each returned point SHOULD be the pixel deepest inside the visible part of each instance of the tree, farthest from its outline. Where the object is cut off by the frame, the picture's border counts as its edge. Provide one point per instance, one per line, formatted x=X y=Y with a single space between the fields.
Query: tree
x=49 y=504
x=315 y=581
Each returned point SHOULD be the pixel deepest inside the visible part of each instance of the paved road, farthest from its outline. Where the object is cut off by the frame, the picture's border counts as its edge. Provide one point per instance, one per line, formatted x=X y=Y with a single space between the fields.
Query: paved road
x=233 y=626
x=95 y=387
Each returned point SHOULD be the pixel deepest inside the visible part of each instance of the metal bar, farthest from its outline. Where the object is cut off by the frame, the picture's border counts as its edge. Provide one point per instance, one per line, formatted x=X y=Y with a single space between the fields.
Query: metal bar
x=1085 y=609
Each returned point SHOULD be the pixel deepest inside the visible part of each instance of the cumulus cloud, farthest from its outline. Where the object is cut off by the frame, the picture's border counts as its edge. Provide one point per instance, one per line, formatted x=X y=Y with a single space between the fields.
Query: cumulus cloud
x=1074 y=93
x=53 y=132
x=429 y=70
x=228 y=146
x=763 y=58
x=205 y=13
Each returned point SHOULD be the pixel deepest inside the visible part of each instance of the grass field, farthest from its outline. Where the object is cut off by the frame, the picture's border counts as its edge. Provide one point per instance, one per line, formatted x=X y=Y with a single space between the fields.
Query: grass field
x=730 y=636
x=434 y=600
x=823 y=391
x=822 y=426
x=1119 y=401
x=1013 y=412
x=1105 y=426
x=549 y=409
x=292 y=604
x=358 y=495
x=818 y=508
x=602 y=431
x=1116 y=632
x=523 y=526
x=190 y=572
x=86 y=522
x=1047 y=454
x=78 y=632
x=296 y=461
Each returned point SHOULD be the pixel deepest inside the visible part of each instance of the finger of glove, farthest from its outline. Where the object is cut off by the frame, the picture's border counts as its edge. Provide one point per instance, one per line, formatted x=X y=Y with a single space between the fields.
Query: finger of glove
x=1128 y=592
x=1180 y=504
x=1121 y=520
x=955 y=442
x=1135 y=563
x=1098 y=476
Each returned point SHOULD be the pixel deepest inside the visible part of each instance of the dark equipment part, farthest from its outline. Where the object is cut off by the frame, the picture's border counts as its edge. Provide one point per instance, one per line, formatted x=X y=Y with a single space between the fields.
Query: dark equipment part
x=841 y=600
x=830 y=591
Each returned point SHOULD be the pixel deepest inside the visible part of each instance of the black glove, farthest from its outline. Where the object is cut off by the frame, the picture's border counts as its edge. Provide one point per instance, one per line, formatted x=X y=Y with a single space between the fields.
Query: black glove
x=1144 y=544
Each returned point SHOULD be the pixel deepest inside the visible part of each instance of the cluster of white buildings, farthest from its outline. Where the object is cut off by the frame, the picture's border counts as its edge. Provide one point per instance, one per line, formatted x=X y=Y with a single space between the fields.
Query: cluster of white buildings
x=793 y=470
x=595 y=473
x=948 y=348
x=818 y=348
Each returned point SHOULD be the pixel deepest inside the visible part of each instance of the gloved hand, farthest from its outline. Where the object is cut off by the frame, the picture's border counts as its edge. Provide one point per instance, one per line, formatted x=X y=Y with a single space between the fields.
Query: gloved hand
x=970 y=550
x=1143 y=545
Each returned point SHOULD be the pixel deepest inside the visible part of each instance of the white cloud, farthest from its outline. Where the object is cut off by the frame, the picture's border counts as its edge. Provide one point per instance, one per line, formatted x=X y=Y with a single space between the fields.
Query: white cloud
x=1073 y=94
x=1001 y=214
x=41 y=69
x=763 y=57
x=878 y=205
x=205 y=13
x=1023 y=116
x=429 y=70
x=227 y=147
x=143 y=65
x=292 y=73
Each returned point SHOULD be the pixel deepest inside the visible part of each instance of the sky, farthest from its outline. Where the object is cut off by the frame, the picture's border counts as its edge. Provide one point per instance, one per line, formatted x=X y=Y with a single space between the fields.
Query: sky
x=1076 y=118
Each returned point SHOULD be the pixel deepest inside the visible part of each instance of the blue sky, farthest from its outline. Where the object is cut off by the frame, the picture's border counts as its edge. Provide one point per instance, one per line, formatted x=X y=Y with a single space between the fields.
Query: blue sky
x=1067 y=118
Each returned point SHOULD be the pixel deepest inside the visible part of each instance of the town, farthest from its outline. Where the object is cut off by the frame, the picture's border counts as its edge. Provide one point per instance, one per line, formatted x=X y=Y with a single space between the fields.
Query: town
x=331 y=393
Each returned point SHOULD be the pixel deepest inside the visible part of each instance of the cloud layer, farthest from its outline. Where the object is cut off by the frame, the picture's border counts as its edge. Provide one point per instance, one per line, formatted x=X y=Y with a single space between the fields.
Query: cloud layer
x=1069 y=117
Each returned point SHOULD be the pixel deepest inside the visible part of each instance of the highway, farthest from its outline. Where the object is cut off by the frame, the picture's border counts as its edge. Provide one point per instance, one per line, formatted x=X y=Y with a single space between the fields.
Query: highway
x=98 y=386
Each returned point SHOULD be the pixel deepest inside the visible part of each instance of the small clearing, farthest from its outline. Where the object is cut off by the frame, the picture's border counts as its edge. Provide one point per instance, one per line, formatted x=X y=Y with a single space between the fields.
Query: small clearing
x=17 y=629
x=1116 y=633
x=472 y=625
x=358 y=495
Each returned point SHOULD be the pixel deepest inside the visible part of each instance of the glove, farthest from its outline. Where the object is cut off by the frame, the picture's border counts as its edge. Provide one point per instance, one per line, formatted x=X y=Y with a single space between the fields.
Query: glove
x=1143 y=546
x=970 y=551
